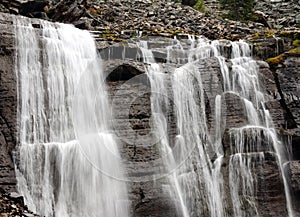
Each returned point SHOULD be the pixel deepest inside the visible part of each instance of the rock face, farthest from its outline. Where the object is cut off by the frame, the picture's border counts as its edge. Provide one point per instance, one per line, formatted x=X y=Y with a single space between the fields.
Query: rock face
x=8 y=103
x=288 y=80
x=294 y=169
x=282 y=85
x=129 y=90
x=147 y=201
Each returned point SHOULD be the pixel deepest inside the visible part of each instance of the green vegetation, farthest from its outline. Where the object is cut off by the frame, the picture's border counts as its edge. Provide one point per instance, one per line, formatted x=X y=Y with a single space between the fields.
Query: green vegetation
x=276 y=60
x=238 y=9
x=264 y=34
x=294 y=51
x=294 y=38
x=199 y=6
x=296 y=43
x=290 y=34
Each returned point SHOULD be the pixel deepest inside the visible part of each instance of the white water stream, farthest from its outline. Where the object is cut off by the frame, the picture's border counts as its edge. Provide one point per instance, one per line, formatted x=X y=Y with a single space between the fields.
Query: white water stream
x=67 y=161
x=195 y=158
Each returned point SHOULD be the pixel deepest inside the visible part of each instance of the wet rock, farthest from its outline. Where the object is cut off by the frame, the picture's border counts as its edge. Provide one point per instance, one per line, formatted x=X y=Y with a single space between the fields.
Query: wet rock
x=246 y=140
x=294 y=169
x=27 y=214
x=16 y=198
x=8 y=103
x=288 y=80
x=235 y=114
x=212 y=82
x=152 y=208
x=270 y=193
x=266 y=46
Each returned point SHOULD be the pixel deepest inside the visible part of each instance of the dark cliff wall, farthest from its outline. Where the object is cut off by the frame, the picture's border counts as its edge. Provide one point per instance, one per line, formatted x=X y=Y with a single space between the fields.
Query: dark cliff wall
x=287 y=79
x=281 y=79
x=8 y=102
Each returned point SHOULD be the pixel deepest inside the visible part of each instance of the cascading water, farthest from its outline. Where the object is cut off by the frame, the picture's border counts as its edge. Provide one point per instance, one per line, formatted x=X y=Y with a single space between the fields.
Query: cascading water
x=194 y=159
x=67 y=162
x=189 y=186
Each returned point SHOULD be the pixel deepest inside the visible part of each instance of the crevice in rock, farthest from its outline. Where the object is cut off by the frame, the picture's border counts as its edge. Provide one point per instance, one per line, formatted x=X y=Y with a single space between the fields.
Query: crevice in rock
x=123 y=72
x=290 y=120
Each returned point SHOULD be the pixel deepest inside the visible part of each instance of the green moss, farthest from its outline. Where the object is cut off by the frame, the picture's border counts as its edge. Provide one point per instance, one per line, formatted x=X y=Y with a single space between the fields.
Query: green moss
x=286 y=33
x=174 y=32
x=281 y=58
x=296 y=43
x=264 y=34
x=276 y=60
x=109 y=34
x=295 y=35
x=107 y=31
x=117 y=39
x=255 y=35
x=294 y=51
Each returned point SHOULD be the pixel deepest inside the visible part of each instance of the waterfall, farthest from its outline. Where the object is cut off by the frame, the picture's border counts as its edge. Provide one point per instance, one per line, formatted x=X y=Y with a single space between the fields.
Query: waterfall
x=193 y=160
x=67 y=163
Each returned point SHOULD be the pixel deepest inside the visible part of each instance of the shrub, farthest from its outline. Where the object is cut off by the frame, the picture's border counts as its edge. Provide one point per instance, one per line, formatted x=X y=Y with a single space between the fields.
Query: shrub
x=199 y=6
x=196 y=4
